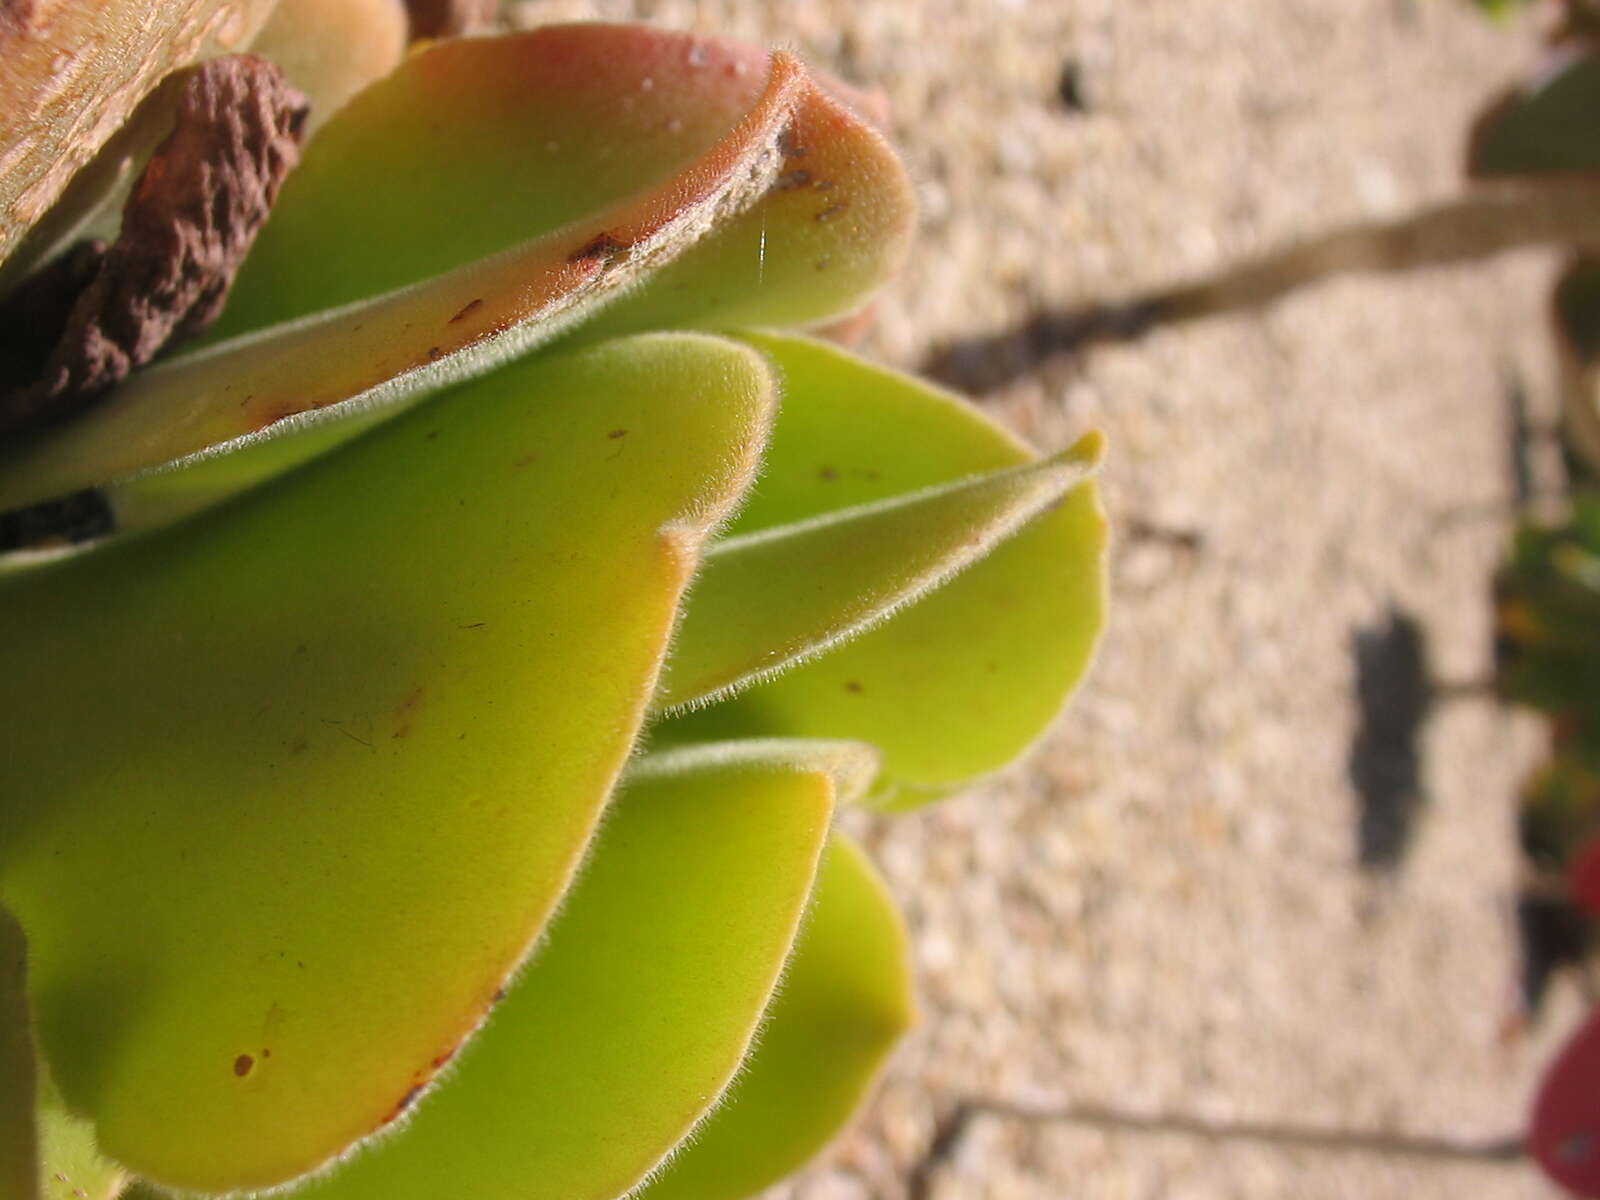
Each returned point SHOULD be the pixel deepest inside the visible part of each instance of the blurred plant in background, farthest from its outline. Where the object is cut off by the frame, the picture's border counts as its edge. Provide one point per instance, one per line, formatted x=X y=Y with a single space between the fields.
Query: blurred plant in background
x=1531 y=178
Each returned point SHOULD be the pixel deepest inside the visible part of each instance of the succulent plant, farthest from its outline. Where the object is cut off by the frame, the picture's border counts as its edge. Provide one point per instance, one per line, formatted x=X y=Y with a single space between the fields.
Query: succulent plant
x=435 y=750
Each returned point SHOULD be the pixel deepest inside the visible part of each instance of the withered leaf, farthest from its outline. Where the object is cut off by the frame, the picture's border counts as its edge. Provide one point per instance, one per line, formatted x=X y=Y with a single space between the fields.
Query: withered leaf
x=186 y=228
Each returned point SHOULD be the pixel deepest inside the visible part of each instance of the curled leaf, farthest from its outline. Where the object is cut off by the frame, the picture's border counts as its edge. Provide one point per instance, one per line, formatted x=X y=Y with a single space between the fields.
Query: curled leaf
x=271 y=400
x=769 y=599
x=478 y=145
x=834 y=227
x=960 y=683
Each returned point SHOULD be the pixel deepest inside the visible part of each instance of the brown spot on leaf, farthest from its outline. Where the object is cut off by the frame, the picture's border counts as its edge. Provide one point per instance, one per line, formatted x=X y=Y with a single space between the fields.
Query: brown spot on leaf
x=405 y=1102
x=617 y=433
x=789 y=144
x=601 y=246
x=790 y=180
x=853 y=686
x=827 y=474
x=467 y=309
x=186 y=227
x=832 y=211
x=243 y=1065
x=435 y=353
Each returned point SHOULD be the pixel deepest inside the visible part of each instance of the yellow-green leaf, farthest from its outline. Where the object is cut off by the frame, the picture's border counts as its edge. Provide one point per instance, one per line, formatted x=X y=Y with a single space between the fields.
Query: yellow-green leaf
x=303 y=778
x=633 y=1017
x=846 y=1000
x=766 y=600
x=959 y=684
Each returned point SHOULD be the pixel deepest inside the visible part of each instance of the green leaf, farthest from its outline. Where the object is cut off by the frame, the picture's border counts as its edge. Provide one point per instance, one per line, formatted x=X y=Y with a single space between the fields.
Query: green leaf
x=959 y=684
x=19 y=1133
x=766 y=600
x=303 y=778
x=322 y=380
x=638 y=1011
x=846 y=1000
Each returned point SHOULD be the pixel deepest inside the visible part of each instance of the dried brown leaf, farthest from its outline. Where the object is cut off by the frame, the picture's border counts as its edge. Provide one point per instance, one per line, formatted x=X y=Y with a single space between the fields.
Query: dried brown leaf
x=75 y=70
x=185 y=230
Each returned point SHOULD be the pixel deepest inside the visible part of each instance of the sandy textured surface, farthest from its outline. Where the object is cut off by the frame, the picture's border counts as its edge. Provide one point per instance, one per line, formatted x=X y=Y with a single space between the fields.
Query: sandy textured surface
x=1163 y=913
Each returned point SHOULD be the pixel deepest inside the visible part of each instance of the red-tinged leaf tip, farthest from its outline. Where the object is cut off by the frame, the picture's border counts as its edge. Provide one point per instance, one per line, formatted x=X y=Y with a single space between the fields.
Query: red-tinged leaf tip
x=391 y=350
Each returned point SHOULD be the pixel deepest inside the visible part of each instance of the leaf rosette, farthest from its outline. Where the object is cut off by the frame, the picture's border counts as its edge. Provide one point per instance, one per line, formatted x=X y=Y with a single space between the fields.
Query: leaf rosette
x=438 y=754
